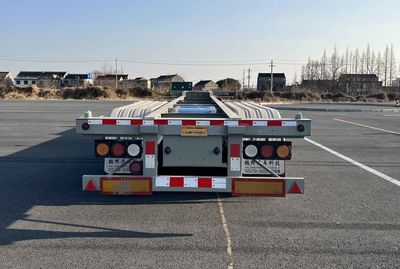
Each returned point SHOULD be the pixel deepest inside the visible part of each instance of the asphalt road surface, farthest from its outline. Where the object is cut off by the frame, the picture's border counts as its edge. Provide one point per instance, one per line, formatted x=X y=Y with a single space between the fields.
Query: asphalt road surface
x=349 y=216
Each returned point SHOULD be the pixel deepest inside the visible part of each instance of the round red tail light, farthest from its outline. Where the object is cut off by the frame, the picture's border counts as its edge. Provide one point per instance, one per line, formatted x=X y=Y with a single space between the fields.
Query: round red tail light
x=118 y=149
x=135 y=168
x=267 y=151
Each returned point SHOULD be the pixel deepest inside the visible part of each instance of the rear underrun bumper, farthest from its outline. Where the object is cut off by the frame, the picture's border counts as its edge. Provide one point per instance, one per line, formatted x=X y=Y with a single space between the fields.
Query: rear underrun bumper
x=237 y=186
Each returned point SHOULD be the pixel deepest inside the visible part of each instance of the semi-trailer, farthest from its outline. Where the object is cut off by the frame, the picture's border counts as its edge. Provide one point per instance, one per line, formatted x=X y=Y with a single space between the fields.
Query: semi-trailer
x=194 y=143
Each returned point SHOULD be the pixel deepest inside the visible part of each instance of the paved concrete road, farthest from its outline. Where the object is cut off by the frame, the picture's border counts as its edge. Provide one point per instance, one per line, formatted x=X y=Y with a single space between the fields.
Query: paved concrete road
x=348 y=217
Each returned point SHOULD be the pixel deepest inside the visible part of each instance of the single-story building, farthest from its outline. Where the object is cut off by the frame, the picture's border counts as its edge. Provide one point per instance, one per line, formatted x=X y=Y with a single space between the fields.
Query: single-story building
x=206 y=85
x=359 y=82
x=396 y=82
x=27 y=78
x=178 y=87
x=138 y=82
x=108 y=80
x=77 y=80
x=264 y=81
x=163 y=84
x=51 y=79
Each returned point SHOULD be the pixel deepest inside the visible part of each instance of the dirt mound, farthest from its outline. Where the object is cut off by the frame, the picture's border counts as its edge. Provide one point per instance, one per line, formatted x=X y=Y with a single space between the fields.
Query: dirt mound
x=88 y=93
x=135 y=92
x=300 y=96
x=32 y=92
x=379 y=96
x=339 y=97
x=393 y=96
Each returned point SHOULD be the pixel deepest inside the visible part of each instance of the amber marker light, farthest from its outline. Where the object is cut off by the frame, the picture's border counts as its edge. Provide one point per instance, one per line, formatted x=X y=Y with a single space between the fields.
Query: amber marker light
x=283 y=151
x=102 y=149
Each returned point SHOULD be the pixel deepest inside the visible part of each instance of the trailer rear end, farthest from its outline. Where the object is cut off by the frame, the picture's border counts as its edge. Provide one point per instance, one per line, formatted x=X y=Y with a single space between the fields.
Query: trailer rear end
x=195 y=143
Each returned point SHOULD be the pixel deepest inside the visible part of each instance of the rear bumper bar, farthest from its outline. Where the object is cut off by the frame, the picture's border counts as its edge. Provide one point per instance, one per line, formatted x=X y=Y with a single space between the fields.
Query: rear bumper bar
x=286 y=128
x=238 y=186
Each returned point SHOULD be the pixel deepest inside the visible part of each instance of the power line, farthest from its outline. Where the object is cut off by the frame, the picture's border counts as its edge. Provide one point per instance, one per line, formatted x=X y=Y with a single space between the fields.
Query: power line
x=167 y=63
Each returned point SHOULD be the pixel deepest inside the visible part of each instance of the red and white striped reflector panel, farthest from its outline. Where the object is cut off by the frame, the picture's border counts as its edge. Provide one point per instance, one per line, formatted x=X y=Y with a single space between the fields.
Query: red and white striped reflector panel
x=191 y=182
x=163 y=122
x=150 y=154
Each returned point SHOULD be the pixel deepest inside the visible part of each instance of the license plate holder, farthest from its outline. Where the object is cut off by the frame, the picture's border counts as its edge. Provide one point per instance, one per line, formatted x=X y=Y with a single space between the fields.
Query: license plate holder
x=250 y=167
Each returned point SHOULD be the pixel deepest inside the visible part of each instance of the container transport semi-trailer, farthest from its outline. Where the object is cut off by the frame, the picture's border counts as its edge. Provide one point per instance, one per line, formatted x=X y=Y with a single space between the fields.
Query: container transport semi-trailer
x=194 y=143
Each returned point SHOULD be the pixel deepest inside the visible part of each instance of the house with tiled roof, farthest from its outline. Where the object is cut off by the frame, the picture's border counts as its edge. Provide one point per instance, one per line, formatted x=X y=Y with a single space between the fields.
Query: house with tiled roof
x=77 y=80
x=108 y=80
x=27 y=78
x=6 y=78
x=205 y=85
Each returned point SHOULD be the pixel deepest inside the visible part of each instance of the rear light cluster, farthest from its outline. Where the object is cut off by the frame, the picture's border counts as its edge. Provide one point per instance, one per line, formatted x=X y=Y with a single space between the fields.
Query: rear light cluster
x=118 y=149
x=267 y=150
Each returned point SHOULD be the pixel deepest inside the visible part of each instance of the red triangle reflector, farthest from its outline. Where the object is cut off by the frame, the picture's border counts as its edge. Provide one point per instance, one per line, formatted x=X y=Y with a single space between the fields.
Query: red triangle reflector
x=90 y=186
x=295 y=188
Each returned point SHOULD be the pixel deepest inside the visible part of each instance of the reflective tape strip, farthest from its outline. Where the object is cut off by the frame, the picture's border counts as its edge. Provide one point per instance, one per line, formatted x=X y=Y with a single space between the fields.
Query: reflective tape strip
x=157 y=122
x=136 y=122
x=287 y=123
x=150 y=161
x=174 y=122
x=176 y=182
x=231 y=123
x=95 y=122
x=276 y=123
x=109 y=121
x=190 y=182
x=150 y=157
x=202 y=123
x=162 y=181
x=123 y=122
x=218 y=183
x=235 y=164
x=148 y=122
x=204 y=182
x=259 y=123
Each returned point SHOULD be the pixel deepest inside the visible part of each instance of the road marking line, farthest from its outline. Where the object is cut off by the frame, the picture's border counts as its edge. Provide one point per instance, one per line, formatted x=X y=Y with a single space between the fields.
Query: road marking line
x=226 y=231
x=367 y=168
x=391 y=115
x=367 y=126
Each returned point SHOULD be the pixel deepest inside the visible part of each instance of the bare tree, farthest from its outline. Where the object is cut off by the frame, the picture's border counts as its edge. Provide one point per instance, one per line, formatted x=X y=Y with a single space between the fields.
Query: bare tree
x=334 y=64
x=347 y=60
x=372 y=62
x=106 y=68
x=392 y=65
x=386 y=65
x=368 y=60
x=324 y=61
x=378 y=69
x=351 y=65
x=356 y=59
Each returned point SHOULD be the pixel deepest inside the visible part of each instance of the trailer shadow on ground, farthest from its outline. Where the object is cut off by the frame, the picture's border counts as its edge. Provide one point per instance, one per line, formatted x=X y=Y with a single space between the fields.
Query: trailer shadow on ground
x=49 y=174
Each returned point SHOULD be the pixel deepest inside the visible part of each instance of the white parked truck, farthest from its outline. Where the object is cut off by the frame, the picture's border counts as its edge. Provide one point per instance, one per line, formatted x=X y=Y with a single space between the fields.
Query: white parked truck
x=194 y=143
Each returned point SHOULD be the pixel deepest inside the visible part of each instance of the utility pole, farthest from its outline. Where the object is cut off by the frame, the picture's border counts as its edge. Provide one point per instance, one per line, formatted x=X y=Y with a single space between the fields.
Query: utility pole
x=116 y=73
x=272 y=76
x=248 y=78
x=244 y=78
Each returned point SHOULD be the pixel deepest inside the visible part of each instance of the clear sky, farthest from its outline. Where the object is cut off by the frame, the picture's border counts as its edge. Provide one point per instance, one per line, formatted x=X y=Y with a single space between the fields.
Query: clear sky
x=185 y=31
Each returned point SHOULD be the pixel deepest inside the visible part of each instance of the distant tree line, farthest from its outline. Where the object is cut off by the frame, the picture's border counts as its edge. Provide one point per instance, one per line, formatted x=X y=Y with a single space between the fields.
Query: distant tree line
x=366 y=61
